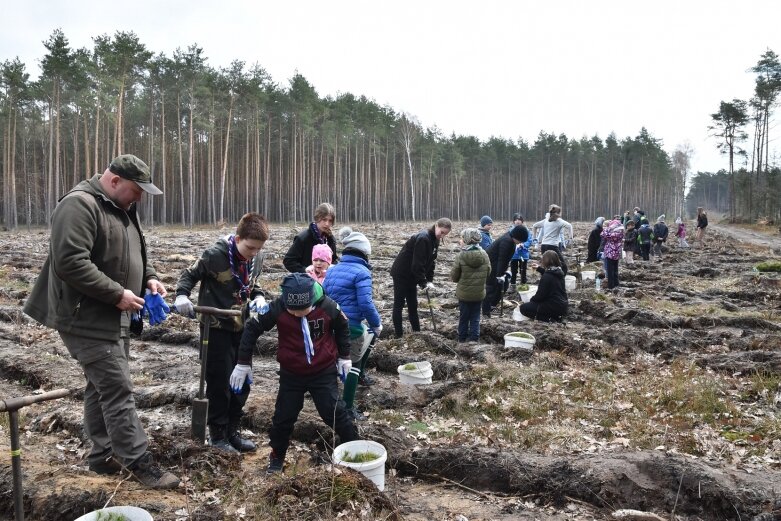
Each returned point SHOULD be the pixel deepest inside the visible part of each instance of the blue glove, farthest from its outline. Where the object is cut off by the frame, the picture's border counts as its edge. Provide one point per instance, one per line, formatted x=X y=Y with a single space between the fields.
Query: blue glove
x=156 y=307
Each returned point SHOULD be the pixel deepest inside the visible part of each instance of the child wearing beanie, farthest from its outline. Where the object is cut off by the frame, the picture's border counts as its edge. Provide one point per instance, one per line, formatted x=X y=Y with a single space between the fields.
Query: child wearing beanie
x=470 y=270
x=321 y=260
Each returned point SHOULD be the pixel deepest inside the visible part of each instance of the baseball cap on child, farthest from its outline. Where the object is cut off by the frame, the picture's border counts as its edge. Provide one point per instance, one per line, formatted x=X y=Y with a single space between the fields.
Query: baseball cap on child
x=298 y=291
x=322 y=252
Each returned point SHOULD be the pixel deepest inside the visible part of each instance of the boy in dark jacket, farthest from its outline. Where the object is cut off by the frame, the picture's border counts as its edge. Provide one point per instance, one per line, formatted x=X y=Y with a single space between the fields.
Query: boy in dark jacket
x=314 y=346
x=660 y=235
x=595 y=240
x=500 y=253
x=550 y=303
x=645 y=237
x=228 y=272
x=470 y=270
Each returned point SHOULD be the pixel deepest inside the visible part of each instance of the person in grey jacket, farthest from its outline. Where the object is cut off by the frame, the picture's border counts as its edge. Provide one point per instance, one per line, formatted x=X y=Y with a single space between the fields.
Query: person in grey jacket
x=90 y=286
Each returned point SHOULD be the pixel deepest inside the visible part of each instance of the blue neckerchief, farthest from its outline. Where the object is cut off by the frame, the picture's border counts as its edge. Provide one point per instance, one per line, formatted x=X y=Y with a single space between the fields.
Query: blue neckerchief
x=309 y=347
x=318 y=235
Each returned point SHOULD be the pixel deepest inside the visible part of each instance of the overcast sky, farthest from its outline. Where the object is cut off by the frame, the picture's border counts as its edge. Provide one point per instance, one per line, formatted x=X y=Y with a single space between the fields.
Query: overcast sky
x=490 y=68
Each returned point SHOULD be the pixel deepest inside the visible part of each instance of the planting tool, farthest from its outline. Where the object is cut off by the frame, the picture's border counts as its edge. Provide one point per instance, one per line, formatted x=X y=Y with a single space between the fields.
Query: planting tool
x=431 y=309
x=12 y=406
x=200 y=415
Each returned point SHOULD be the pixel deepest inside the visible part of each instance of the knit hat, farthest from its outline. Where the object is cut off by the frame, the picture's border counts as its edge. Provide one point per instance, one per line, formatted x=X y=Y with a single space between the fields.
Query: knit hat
x=471 y=236
x=599 y=221
x=485 y=220
x=519 y=233
x=355 y=240
x=322 y=252
x=660 y=219
x=298 y=291
x=613 y=224
x=517 y=217
x=678 y=220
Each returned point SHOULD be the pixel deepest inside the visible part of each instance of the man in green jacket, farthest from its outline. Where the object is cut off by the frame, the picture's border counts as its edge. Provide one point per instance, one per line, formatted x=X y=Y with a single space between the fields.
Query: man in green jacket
x=89 y=289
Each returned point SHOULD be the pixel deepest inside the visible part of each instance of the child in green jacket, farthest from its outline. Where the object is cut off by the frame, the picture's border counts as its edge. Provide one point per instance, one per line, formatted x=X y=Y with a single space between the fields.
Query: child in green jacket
x=470 y=270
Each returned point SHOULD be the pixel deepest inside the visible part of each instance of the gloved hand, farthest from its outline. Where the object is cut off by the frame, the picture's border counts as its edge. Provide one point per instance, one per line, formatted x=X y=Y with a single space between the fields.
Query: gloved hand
x=500 y=280
x=343 y=366
x=156 y=307
x=258 y=305
x=240 y=373
x=184 y=307
x=377 y=330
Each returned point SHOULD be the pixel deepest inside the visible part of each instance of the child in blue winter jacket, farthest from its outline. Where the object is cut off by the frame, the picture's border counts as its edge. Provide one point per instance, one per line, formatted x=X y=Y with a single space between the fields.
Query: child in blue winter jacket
x=520 y=258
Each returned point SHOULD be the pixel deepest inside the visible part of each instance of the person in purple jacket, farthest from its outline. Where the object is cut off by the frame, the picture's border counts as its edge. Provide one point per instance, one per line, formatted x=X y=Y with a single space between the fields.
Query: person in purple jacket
x=314 y=346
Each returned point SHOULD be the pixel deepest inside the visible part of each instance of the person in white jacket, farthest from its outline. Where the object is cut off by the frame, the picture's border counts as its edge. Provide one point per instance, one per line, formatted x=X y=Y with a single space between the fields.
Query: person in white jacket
x=552 y=229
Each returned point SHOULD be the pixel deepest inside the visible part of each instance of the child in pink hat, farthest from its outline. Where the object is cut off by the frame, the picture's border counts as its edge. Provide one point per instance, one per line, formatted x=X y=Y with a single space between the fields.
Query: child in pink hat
x=321 y=260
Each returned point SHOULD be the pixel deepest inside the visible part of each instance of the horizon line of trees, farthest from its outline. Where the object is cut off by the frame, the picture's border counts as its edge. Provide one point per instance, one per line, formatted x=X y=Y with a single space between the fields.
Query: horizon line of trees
x=754 y=190
x=221 y=142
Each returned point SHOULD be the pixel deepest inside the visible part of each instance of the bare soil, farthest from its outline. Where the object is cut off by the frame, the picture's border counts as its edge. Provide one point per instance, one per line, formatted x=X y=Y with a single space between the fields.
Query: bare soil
x=660 y=396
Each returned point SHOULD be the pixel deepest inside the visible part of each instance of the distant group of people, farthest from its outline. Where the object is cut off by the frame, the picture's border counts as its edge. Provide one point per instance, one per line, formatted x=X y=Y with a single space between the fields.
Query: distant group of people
x=630 y=235
x=98 y=285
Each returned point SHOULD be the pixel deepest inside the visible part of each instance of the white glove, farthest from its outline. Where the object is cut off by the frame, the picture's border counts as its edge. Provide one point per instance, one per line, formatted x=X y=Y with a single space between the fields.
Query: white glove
x=430 y=286
x=500 y=280
x=184 y=307
x=377 y=330
x=258 y=305
x=343 y=366
x=240 y=373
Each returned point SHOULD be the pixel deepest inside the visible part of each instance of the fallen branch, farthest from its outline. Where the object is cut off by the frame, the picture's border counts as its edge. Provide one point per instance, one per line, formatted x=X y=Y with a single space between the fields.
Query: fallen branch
x=637 y=515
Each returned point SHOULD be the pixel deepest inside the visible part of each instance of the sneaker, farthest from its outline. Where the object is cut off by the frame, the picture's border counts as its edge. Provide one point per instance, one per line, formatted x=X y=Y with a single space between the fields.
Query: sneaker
x=148 y=473
x=106 y=466
x=224 y=445
x=275 y=463
x=241 y=444
x=365 y=380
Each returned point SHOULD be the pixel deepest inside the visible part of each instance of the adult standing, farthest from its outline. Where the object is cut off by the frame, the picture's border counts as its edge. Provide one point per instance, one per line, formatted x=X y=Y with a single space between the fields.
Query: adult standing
x=552 y=228
x=299 y=256
x=414 y=267
x=702 y=223
x=500 y=253
x=89 y=289
x=594 y=240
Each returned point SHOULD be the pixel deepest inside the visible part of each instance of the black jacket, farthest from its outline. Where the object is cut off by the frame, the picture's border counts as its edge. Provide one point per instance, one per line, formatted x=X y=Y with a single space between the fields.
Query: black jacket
x=415 y=261
x=594 y=240
x=551 y=296
x=299 y=256
x=661 y=231
x=499 y=253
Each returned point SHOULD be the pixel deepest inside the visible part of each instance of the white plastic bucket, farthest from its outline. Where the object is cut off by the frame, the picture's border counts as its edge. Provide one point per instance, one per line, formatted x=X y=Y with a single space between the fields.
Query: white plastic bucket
x=587 y=275
x=420 y=373
x=518 y=316
x=374 y=469
x=528 y=294
x=570 y=282
x=523 y=343
x=129 y=513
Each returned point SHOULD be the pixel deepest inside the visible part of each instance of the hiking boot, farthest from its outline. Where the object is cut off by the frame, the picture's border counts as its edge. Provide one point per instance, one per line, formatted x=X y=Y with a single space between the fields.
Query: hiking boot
x=148 y=473
x=223 y=445
x=355 y=415
x=275 y=463
x=106 y=466
x=239 y=443
x=365 y=380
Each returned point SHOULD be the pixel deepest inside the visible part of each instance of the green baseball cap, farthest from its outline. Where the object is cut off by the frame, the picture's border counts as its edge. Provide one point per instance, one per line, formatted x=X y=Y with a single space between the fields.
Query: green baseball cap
x=130 y=167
